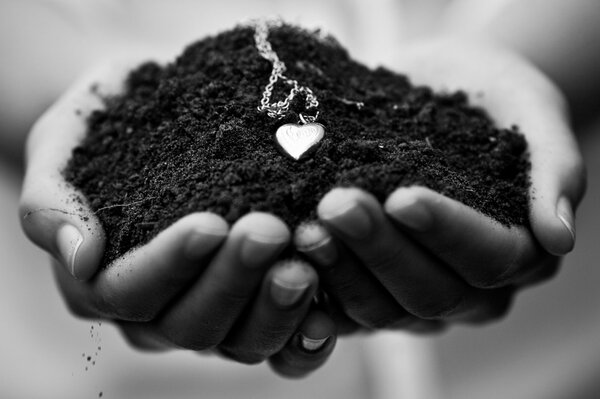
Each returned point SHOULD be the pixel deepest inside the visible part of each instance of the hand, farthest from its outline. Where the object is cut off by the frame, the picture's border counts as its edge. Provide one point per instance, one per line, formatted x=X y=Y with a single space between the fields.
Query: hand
x=421 y=260
x=200 y=284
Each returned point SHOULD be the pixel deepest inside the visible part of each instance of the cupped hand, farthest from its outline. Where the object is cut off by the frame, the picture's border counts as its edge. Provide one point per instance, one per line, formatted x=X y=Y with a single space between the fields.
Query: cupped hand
x=199 y=284
x=421 y=260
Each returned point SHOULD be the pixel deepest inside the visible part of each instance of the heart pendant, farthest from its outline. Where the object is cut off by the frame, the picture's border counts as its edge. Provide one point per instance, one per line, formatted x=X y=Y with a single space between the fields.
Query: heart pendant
x=296 y=140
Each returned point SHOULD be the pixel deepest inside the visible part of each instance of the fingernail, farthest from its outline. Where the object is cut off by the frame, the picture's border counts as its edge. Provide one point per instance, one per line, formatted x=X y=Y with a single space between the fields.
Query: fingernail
x=316 y=243
x=287 y=293
x=311 y=344
x=69 y=239
x=258 y=249
x=564 y=212
x=323 y=252
x=351 y=219
x=410 y=213
x=202 y=241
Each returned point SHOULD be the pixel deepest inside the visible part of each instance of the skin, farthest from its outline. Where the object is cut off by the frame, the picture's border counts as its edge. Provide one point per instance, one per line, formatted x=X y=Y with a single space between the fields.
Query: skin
x=422 y=260
x=410 y=263
x=200 y=284
x=559 y=37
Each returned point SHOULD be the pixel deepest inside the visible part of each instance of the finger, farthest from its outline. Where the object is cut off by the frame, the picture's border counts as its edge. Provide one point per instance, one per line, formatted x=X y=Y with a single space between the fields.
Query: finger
x=515 y=93
x=360 y=295
x=417 y=280
x=423 y=327
x=547 y=269
x=137 y=286
x=557 y=169
x=203 y=315
x=344 y=324
x=482 y=251
x=281 y=305
x=485 y=306
x=309 y=349
x=558 y=179
x=52 y=214
x=140 y=337
x=359 y=304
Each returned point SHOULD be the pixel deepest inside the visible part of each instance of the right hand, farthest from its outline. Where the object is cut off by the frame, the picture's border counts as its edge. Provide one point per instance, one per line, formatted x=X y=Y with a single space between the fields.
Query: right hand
x=199 y=284
x=422 y=260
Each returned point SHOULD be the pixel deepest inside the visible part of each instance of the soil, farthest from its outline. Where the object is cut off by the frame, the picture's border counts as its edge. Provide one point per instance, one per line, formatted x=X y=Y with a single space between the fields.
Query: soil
x=187 y=137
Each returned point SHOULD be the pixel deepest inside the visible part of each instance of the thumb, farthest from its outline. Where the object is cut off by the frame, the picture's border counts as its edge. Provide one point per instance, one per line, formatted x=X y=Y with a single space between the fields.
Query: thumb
x=558 y=181
x=558 y=184
x=53 y=215
x=514 y=92
x=557 y=169
x=62 y=226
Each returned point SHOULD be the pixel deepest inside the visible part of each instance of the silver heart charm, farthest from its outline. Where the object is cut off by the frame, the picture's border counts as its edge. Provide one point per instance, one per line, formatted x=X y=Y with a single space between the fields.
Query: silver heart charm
x=296 y=140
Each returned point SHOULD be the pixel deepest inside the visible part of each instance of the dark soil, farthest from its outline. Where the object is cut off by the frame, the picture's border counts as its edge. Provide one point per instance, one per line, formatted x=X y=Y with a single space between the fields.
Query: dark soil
x=187 y=137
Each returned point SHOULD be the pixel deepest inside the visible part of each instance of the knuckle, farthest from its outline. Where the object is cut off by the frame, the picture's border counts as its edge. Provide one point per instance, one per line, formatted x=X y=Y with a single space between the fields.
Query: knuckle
x=378 y=322
x=498 y=310
x=546 y=271
x=368 y=308
x=429 y=327
x=234 y=296
x=383 y=260
x=77 y=308
x=494 y=307
x=255 y=347
x=240 y=356
x=192 y=339
x=137 y=315
x=140 y=338
x=353 y=302
x=492 y=275
x=503 y=271
x=489 y=279
x=123 y=308
x=27 y=207
x=376 y=319
x=438 y=309
x=134 y=313
x=39 y=224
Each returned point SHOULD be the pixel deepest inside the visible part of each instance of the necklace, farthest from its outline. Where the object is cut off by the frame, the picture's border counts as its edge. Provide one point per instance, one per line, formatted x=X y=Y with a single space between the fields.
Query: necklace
x=297 y=140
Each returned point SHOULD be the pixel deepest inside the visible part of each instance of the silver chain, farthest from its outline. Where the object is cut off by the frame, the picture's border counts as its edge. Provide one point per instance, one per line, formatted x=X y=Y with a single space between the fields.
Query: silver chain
x=279 y=109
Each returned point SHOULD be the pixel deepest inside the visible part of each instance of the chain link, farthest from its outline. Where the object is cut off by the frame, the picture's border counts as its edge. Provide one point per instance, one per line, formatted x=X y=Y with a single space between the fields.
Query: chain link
x=279 y=109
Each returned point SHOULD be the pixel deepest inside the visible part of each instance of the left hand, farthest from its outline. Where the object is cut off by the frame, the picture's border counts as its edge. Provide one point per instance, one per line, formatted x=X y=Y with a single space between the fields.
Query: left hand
x=200 y=284
x=421 y=260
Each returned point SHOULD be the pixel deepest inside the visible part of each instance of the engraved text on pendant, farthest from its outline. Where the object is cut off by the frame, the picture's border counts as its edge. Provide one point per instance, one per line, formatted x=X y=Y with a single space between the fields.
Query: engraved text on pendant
x=297 y=140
